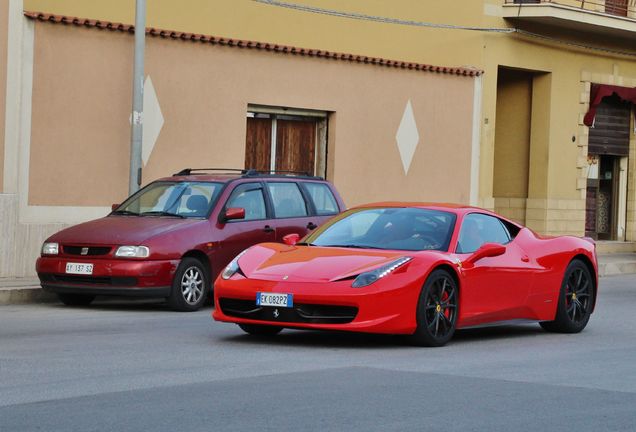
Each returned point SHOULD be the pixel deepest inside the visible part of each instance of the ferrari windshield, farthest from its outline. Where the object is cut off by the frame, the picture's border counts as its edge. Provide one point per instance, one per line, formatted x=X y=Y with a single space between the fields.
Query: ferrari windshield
x=177 y=199
x=403 y=228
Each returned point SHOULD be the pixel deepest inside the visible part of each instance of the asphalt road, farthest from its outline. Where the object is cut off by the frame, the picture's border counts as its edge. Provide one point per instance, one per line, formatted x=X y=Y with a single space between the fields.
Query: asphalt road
x=119 y=366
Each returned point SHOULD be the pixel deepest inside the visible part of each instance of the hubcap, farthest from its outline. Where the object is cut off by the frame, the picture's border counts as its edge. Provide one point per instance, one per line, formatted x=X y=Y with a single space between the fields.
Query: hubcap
x=192 y=285
x=577 y=295
x=441 y=307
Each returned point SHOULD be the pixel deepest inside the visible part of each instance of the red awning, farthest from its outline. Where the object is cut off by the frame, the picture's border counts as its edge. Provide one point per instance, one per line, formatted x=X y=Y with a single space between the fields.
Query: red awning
x=599 y=91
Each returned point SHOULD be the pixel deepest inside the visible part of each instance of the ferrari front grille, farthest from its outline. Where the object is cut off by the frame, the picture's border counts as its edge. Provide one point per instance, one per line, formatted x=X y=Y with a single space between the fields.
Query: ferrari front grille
x=300 y=313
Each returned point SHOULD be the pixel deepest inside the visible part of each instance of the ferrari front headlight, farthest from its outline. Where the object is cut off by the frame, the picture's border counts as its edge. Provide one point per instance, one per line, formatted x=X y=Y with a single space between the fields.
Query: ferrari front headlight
x=367 y=278
x=233 y=267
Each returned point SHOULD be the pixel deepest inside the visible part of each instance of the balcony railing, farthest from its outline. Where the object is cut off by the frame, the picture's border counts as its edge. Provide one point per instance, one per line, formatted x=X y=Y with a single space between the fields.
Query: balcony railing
x=623 y=8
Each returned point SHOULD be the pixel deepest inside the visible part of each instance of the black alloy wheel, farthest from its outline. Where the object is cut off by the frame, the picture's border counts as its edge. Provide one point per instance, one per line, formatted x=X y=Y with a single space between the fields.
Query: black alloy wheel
x=76 y=299
x=437 y=310
x=260 y=330
x=190 y=286
x=576 y=299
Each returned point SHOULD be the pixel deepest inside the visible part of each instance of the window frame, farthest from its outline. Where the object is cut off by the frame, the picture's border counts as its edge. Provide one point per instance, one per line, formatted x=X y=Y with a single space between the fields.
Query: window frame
x=257 y=185
x=459 y=233
x=309 y=209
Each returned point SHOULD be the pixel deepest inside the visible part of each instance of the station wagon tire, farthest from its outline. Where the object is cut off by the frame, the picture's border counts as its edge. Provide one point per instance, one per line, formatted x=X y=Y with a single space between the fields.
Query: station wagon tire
x=76 y=299
x=260 y=330
x=189 y=287
x=436 y=310
x=576 y=299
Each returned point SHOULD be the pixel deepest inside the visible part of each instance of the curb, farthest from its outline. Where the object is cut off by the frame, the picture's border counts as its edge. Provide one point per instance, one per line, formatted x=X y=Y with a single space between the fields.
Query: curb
x=28 y=294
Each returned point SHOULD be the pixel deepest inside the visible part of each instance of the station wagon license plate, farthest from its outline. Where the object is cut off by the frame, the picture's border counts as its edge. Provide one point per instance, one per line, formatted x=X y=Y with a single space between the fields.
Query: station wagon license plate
x=274 y=299
x=79 y=268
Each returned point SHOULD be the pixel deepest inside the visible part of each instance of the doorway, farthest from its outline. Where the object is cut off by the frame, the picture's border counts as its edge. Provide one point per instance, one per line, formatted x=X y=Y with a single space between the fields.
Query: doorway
x=608 y=150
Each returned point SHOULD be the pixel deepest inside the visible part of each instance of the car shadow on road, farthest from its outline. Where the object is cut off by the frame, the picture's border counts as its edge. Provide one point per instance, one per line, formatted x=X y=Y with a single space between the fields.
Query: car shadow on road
x=334 y=339
x=126 y=304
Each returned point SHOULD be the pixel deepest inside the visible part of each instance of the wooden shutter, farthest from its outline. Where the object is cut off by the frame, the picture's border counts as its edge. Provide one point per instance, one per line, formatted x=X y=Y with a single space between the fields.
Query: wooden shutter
x=258 y=144
x=616 y=7
x=296 y=145
x=610 y=134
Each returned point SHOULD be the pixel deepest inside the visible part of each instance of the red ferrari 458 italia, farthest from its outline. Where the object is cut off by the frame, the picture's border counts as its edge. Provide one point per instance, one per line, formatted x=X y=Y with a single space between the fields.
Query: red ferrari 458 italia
x=422 y=270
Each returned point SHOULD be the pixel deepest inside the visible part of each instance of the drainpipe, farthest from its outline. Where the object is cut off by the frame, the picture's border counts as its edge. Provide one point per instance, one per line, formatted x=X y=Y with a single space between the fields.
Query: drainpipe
x=138 y=98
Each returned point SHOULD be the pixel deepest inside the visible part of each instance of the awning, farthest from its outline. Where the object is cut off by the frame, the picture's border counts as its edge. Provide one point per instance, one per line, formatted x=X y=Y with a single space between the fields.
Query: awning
x=599 y=91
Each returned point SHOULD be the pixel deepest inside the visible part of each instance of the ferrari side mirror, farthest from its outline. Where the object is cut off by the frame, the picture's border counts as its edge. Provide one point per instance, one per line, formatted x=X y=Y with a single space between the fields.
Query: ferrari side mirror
x=291 y=239
x=487 y=250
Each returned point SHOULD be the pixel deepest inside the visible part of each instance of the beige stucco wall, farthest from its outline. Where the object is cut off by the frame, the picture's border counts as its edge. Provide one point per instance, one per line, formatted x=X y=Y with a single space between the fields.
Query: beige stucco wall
x=4 y=35
x=81 y=104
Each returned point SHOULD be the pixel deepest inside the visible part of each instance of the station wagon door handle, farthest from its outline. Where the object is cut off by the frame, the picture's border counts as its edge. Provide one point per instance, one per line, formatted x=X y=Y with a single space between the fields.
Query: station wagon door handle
x=311 y=226
x=268 y=229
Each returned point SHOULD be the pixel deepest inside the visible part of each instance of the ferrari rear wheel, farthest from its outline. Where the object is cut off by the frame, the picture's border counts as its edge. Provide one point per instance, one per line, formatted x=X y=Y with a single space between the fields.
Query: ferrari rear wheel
x=260 y=330
x=576 y=298
x=436 y=310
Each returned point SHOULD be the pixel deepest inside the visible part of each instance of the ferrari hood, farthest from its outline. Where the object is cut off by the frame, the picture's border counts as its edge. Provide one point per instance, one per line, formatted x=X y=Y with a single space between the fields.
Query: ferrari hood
x=276 y=262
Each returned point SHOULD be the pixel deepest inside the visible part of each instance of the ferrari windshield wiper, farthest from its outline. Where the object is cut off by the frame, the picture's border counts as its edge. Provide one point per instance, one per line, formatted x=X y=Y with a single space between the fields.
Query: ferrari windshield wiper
x=162 y=213
x=353 y=246
x=305 y=244
x=125 y=212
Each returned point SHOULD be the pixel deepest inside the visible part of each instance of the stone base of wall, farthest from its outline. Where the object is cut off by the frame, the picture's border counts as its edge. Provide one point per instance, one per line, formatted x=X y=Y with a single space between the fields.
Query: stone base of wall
x=512 y=208
x=21 y=243
x=556 y=216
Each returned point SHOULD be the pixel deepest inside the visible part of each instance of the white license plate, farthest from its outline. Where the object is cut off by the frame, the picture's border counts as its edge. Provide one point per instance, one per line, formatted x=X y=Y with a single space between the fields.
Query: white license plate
x=79 y=268
x=274 y=299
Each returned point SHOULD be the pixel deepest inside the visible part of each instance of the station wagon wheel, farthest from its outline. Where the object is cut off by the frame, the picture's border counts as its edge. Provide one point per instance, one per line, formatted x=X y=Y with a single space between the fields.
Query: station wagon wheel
x=190 y=286
x=437 y=310
x=576 y=299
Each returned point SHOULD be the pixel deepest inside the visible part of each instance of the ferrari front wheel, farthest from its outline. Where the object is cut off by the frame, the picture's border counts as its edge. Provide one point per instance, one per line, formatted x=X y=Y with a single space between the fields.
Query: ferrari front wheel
x=436 y=310
x=576 y=298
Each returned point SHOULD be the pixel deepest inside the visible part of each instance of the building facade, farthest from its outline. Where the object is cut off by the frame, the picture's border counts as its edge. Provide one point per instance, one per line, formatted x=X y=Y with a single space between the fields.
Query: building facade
x=480 y=102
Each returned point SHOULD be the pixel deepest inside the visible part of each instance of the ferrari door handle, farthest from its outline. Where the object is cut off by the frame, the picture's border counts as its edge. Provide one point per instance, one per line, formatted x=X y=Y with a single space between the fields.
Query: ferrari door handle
x=268 y=229
x=525 y=258
x=312 y=226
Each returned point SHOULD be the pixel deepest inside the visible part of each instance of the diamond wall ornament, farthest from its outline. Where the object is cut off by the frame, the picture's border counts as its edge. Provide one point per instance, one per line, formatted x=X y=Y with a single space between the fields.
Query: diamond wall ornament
x=407 y=137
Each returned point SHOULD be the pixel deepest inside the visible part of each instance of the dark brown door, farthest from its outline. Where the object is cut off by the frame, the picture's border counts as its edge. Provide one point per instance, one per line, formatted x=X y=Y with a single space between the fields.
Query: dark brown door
x=616 y=7
x=296 y=145
x=258 y=144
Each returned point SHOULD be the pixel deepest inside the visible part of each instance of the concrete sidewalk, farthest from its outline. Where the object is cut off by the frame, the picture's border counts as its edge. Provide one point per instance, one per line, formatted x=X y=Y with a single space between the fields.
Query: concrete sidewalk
x=28 y=290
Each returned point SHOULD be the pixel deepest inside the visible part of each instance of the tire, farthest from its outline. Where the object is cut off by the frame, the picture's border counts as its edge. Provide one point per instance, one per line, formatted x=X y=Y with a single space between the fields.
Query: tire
x=76 y=299
x=260 y=330
x=190 y=286
x=437 y=310
x=576 y=299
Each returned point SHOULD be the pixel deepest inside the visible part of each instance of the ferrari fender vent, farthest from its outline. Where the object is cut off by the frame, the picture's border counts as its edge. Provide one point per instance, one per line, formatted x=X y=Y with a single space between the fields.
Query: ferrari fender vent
x=300 y=313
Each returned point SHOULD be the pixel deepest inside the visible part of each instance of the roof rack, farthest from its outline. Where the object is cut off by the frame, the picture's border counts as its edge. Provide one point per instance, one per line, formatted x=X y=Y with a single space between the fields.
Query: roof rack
x=248 y=172
x=188 y=171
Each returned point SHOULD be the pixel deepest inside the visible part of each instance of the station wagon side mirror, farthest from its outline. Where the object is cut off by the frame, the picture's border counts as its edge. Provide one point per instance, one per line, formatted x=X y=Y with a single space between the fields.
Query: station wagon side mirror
x=114 y=207
x=487 y=250
x=233 y=213
x=291 y=239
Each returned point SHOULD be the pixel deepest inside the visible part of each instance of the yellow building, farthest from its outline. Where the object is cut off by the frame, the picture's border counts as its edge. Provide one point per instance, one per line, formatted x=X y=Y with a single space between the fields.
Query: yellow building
x=472 y=101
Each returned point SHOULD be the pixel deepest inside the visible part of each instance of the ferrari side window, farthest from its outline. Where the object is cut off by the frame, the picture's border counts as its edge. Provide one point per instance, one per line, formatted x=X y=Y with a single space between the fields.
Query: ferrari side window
x=477 y=229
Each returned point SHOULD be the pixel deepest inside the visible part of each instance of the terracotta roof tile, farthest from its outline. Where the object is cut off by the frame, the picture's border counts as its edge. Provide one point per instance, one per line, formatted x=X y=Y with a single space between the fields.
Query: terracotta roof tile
x=155 y=32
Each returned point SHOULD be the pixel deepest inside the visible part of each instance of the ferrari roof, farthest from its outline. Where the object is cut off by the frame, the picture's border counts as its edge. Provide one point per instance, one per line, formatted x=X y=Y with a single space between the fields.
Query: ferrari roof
x=429 y=205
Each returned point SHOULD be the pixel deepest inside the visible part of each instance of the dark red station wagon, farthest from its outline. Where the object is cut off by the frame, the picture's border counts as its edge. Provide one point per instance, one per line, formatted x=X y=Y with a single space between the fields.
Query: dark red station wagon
x=173 y=237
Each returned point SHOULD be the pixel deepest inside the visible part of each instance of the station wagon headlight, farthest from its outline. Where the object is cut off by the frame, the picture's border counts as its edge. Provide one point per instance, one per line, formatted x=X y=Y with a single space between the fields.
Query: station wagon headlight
x=233 y=267
x=132 y=252
x=50 y=249
x=367 y=278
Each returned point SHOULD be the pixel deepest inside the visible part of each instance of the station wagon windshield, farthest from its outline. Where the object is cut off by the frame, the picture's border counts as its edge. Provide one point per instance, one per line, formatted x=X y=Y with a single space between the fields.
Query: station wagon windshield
x=411 y=229
x=174 y=199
